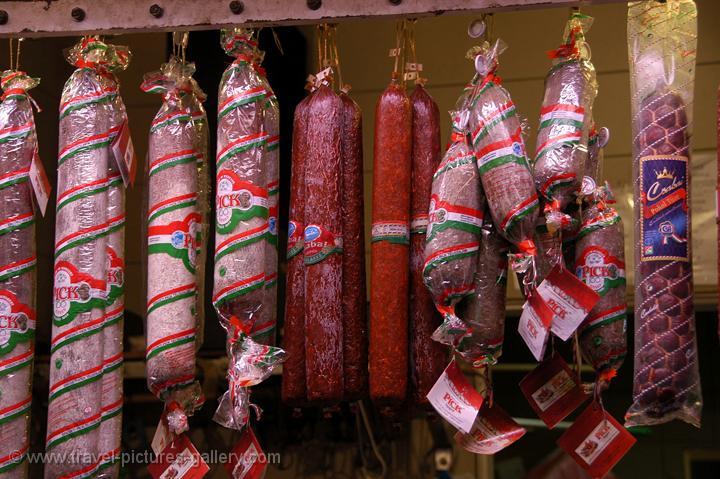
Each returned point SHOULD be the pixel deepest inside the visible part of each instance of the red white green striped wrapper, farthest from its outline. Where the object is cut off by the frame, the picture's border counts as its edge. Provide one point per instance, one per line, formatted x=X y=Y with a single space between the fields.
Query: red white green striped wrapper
x=519 y=212
x=238 y=288
x=486 y=124
x=10 y=462
x=15 y=269
x=11 y=133
x=175 y=229
x=83 y=226
x=14 y=177
x=242 y=144
x=235 y=101
x=498 y=153
x=88 y=189
x=447 y=255
x=444 y=215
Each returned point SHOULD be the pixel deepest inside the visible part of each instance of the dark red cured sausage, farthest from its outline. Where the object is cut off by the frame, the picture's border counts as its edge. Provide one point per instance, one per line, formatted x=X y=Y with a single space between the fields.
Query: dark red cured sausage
x=293 y=381
x=323 y=247
x=428 y=358
x=354 y=295
x=390 y=258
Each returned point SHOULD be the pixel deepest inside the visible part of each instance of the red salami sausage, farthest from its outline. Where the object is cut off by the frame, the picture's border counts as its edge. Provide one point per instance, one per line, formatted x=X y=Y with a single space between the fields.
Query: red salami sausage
x=428 y=358
x=354 y=295
x=293 y=342
x=390 y=256
x=323 y=247
x=718 y=196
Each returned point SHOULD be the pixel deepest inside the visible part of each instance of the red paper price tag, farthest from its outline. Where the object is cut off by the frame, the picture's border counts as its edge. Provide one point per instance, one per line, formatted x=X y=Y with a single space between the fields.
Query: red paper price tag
x=534 y=325
x=454 y=398
x=553 y=391
x=569 y=299
x=247 y=458
x=493 y=431
x=124 y=153
x=179 y=460
x=596 y=441
x=40 y=183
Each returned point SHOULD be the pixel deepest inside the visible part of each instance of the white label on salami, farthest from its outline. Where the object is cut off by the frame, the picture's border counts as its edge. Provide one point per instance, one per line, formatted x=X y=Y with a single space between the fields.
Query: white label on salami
x=17 y=322
x=569 y=299
x=534 y=325
x=40 y=183
x=418 y=224
x=391 y=231
x=454 y=398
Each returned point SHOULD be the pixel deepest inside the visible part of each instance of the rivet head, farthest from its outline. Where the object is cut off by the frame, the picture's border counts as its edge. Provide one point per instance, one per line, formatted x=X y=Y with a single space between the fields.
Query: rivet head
x=3 y=17
x=237 y=7
x=314 y=4
x=156 y=10
x=395 y=2
x=78 y=14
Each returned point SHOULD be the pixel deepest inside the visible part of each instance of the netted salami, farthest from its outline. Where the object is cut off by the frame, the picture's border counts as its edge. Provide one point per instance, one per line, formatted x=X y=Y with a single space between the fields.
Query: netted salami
x=88 y=126
x=18 y=146
x=662 y=44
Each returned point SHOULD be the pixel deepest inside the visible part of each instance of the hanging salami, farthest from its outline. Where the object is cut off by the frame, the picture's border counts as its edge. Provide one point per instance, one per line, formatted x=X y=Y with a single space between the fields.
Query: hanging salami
x=390 y=257
x=18 y=286
x=662 y=44
x=88 y=125
x=241 y=227
x=174 y=235
x=427 y=357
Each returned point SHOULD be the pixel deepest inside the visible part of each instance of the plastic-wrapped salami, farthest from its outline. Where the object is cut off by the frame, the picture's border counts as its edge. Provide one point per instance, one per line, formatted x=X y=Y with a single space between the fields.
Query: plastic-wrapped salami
x=88 y=125
x=428 y=358
x=293 y=342
x=662 y=41
x=390 y=256
x=18 y=146
x=323 y=248
x=501 y=155
x=241 y=203
x=174 y=235
x=565 y=120
x=600 y=264
x=271 y=161
x=484 y=309
x=455 y=220
x=355 y=354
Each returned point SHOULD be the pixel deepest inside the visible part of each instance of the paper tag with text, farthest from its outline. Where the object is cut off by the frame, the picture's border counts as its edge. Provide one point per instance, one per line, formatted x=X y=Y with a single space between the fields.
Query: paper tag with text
x=455 y=399
x=124 y=153
x=40 y=183
x=493 y=431
x=534 y=325
x=569 y=298
x=596 y=441
x=179 y=460
x=247 y=460
x=553 y=390
x=162 y=436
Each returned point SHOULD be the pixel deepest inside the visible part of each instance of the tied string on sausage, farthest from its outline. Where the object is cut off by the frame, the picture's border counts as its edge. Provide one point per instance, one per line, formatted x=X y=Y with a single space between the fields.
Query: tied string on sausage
x=574 y=47
x=250 y=363
x=239 y=42
x=523 y=262
x=93 y=54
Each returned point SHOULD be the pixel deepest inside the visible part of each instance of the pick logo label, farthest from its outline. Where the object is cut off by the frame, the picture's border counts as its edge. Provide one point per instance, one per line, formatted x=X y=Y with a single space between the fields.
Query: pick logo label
x=455 y=399
x=596 y=441
x=599 y=270
x=179 y=239
x=75 y=292
x=116 y=276
x=17 y=322
x=569 y=299
x=237 y=201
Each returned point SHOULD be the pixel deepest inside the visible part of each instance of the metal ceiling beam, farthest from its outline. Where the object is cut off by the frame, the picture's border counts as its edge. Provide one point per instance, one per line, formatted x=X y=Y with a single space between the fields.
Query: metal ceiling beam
x=37 y=18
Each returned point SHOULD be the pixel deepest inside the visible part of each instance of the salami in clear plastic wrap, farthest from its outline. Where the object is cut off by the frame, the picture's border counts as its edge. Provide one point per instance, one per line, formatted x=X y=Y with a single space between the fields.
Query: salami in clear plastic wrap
x=293 y=342
x=88 y=125
x=484 y=309
x=501 y=155
x=428 y=358
x=354 y=297
x=453 y=233
x=18 y=146
x=600 y=264
x=323 y=248
x=174 y=235
x=390 y=256
x=565 y=118
x=662 y=41
x=241 y=227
